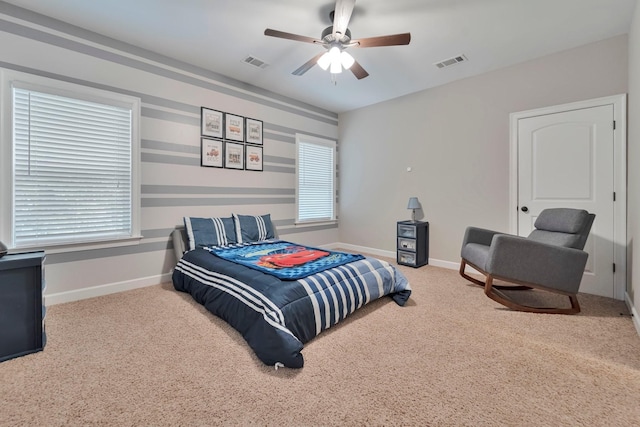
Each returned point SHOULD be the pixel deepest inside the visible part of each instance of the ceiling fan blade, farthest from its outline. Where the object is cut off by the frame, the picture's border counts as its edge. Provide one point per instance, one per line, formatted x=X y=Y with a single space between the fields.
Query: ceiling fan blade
x=307 y=65
x=392 y=40
x=289 y=36
x=358 y=71
x=341 y=17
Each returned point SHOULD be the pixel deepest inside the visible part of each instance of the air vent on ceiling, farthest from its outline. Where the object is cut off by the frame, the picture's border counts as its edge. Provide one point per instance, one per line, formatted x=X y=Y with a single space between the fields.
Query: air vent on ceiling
x=252 y=60
x=451 y=61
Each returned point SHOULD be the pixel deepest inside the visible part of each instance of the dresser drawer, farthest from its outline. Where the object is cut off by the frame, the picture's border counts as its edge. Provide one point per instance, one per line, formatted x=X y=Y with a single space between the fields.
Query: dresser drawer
x=407 y=231
x=408 y=258
x=407 y=244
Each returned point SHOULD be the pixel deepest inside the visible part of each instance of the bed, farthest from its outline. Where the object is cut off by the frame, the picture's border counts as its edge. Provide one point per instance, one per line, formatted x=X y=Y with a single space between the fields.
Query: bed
x=237 y=269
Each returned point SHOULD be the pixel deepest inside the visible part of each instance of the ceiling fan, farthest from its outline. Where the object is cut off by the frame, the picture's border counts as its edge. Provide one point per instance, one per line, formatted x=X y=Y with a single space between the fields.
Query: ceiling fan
x=336 y=39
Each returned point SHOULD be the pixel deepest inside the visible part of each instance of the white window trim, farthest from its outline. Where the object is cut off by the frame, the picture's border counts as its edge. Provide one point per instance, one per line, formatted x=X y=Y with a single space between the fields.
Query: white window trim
x=329 y=143
x=7 y=78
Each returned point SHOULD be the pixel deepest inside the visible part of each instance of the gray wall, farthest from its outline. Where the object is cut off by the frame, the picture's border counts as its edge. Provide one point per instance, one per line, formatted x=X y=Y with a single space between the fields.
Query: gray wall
x=173 y=183
x=633 y=206
x=456 y=140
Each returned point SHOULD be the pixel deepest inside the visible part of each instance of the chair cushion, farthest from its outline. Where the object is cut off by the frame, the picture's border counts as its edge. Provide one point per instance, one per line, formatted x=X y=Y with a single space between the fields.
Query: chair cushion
x=558 y=239
x=564 y=220
x=476 y=254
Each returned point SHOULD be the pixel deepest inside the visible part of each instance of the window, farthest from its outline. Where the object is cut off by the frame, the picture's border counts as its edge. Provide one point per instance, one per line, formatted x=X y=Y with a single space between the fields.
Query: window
x=315 y=173
x=74 y=166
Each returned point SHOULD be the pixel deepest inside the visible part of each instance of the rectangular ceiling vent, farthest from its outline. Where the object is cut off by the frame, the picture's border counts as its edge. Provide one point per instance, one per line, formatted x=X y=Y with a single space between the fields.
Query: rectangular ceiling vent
x=451 y=61
x=252 y=60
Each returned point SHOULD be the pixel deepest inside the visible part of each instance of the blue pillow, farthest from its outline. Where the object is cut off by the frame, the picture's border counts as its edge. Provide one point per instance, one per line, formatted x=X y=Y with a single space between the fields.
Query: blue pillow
x=209 y=232
x=253 y=228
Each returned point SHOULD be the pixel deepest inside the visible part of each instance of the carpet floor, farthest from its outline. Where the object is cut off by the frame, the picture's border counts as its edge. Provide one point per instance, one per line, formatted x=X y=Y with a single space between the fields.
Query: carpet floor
x=450 y=357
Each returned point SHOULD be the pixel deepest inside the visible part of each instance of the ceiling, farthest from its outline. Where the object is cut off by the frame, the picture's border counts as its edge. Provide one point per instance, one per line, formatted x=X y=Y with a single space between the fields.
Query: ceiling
x=218 y=34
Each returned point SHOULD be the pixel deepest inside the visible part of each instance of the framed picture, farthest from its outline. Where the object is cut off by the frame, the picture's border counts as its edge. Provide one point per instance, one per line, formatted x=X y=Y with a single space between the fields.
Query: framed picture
x=253 y=158
x=234 y=127
x=211 y=152
x=254 y=131
x=212 y=122
x=233 y=155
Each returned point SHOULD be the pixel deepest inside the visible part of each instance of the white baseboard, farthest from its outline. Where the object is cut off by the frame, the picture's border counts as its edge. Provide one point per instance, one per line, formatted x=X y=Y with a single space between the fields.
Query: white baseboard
x=634 y=312
x=356 y=248
x=110 y=288
x=390 y=254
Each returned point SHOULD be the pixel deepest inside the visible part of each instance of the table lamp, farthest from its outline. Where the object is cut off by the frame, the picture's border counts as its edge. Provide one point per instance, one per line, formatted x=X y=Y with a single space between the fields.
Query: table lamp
x=413 y=205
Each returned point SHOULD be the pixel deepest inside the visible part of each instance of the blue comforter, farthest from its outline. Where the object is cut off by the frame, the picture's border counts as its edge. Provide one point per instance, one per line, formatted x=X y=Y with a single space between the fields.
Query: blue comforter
x=276 y=317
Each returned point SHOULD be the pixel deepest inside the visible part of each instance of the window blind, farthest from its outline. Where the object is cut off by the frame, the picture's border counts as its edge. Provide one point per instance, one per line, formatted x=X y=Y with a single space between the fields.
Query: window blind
x=316 y=173
x=72 y=169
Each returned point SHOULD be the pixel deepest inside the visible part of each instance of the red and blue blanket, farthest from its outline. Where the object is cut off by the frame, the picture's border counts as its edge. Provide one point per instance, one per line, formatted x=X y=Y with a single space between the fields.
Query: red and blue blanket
x=282 y=259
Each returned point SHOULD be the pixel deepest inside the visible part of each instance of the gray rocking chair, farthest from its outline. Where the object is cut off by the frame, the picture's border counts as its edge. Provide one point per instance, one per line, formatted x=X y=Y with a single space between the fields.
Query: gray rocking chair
x=551 y=258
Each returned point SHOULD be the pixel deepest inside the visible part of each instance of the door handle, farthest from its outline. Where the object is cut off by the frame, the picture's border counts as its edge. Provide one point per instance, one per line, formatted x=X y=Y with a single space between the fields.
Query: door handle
x=524 y=209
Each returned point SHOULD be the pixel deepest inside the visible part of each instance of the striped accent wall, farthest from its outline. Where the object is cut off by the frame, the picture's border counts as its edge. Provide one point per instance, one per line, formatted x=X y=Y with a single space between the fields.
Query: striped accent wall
x=173 y=184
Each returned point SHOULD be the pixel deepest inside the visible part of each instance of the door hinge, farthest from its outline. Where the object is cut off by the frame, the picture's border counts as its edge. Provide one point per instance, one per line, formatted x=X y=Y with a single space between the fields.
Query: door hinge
x=614 y=196
x=614 y=125
x=614 y=267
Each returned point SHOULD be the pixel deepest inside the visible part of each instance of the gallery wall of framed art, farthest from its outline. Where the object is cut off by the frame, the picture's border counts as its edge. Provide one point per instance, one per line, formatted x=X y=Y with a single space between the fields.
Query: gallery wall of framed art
x=230 y=141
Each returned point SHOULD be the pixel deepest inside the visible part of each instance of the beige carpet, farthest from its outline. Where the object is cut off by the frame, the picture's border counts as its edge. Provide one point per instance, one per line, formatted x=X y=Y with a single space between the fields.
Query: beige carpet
x=451 y=357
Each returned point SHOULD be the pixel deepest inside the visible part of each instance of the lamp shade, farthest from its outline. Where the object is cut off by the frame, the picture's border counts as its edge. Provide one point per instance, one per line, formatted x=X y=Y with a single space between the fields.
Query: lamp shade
x=413 y=203
x=346 y=59
x=324 y=61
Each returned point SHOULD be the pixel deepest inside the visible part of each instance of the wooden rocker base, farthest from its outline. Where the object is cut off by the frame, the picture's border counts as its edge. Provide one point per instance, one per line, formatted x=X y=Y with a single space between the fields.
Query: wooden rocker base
x=463 y=265
x=493 y=292
x=501 y=298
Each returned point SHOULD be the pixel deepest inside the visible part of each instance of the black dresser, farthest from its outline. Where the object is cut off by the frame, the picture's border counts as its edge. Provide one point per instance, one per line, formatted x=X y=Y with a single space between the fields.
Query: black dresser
x=22 y=311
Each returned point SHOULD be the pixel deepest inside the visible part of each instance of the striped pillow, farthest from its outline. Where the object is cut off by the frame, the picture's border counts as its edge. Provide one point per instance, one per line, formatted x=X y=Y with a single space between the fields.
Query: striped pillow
x=208 y=232
x=253 y=228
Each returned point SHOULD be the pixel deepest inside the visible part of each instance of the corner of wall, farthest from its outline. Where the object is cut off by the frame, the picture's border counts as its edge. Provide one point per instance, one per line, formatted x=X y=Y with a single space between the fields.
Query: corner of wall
x=634 y=312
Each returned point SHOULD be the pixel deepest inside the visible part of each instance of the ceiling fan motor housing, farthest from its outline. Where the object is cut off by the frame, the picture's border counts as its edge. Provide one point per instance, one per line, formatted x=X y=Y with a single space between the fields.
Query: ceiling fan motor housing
x=327 y=36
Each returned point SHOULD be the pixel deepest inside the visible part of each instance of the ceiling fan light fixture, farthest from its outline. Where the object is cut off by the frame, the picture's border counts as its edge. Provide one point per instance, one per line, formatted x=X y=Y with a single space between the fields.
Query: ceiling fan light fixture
x=346 y=60
x=336 y=67
x=332 y=58
x=334 y=54
x=324 y=61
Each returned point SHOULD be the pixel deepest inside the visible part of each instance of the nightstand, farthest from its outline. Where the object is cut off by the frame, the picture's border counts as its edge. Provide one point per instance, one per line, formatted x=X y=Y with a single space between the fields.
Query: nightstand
x=413 y=243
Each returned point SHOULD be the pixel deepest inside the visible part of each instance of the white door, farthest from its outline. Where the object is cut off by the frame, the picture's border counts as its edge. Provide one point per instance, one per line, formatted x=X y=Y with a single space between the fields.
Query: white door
x=566 y=159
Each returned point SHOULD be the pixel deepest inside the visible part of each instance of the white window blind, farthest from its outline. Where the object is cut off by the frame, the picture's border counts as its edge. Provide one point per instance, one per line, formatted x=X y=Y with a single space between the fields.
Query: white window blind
x=72 y=177
x=316 y=179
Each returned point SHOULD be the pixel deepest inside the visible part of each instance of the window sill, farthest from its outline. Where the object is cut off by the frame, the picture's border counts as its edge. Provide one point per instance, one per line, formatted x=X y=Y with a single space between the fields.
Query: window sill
x=322 y=222
x=80 y=246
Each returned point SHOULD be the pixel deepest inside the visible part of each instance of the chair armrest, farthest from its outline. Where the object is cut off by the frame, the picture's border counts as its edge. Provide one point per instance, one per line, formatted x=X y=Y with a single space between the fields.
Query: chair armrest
x=524 y=260
x=478 y=235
